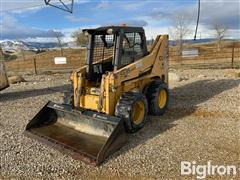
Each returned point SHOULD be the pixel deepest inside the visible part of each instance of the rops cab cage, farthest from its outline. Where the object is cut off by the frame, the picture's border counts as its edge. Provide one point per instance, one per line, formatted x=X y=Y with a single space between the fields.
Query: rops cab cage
x=120 y=45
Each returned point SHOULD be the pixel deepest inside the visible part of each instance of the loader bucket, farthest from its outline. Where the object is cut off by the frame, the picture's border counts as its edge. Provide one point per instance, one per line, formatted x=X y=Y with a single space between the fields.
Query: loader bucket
x=85 y=135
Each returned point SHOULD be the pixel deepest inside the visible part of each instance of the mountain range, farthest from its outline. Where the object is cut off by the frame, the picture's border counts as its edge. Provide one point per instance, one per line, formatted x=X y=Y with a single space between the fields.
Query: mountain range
x=33 y=46
x=9 y=45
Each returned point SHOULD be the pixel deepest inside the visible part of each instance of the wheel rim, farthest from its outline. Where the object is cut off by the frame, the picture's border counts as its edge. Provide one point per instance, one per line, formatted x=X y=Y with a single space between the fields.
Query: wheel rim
x=138 y=112
x=162 y=98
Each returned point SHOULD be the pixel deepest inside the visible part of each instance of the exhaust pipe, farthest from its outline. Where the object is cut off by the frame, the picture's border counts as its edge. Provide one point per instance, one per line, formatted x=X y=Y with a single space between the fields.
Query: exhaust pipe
x=85 y=135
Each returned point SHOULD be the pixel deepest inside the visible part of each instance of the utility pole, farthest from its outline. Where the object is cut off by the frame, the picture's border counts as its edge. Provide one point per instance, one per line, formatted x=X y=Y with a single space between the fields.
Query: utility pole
x=198 y=17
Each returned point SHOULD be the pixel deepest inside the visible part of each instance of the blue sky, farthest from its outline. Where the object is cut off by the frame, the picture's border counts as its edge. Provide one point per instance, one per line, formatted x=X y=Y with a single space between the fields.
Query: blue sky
x=32 y=20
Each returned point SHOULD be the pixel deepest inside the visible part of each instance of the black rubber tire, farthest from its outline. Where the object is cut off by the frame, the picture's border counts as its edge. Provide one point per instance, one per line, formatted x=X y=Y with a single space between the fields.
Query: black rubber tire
x=124 y=109
x=68 y=98
x=152 y=95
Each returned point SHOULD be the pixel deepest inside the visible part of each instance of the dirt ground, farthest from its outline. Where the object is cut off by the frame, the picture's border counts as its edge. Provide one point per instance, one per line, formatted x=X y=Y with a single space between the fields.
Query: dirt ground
x=202 y=124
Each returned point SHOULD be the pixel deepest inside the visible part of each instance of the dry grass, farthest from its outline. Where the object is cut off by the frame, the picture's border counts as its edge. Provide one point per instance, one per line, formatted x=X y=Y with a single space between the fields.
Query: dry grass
x=45 y=61
x=208 y=54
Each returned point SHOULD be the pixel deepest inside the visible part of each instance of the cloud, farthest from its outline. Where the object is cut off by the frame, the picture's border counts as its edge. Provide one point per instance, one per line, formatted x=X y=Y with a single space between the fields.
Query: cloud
x=103 y=5
x=152 y=32
x=224 y=12
x=129 y=5
x=20 y=7
x=159 y=14
x=76 y=19
x=135 y=22
x=81 y=1
x=129 y=22
x=11 y=29
x=134 y=5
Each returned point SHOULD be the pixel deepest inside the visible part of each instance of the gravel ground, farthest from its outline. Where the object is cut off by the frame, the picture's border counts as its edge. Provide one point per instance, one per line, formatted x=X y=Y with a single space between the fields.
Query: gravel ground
x=202 y=125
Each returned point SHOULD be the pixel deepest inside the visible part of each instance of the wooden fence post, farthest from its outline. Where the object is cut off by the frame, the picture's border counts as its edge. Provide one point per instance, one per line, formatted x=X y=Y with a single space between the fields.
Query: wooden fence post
x=232 y=56
x=35 y=66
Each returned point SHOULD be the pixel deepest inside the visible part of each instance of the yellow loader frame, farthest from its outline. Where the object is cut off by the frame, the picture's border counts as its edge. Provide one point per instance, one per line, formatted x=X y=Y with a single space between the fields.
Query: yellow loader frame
x=133 y=77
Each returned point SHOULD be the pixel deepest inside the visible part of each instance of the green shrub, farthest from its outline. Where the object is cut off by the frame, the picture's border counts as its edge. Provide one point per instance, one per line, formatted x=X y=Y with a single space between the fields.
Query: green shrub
x=9 y=57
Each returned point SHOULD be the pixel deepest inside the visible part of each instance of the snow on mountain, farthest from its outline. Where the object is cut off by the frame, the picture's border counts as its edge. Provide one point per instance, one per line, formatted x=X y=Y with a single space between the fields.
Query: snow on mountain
x=9 y=45
x=12 y=45
x=34 y=46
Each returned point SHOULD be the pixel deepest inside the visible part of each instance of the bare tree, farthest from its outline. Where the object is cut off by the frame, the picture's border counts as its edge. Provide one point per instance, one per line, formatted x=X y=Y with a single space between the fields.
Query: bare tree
x=180 y=30
x=220 y=32
x=21 y=49
x=80 y=38
x=58 y=34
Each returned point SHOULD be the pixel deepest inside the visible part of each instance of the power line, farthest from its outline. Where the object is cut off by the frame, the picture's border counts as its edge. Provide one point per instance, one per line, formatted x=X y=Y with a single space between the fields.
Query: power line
x=195 y=36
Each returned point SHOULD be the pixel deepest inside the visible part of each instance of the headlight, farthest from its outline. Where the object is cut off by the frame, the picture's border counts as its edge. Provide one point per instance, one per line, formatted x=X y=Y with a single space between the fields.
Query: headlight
x=110 y=31
x=86 y=33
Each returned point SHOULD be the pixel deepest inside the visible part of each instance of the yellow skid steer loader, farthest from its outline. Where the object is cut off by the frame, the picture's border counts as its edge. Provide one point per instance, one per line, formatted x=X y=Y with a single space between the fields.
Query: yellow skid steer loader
x=112 y=95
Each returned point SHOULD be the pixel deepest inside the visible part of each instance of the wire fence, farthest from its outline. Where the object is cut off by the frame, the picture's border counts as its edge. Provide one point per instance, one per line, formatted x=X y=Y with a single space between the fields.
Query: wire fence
x=226 y=57
x=44 y=62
